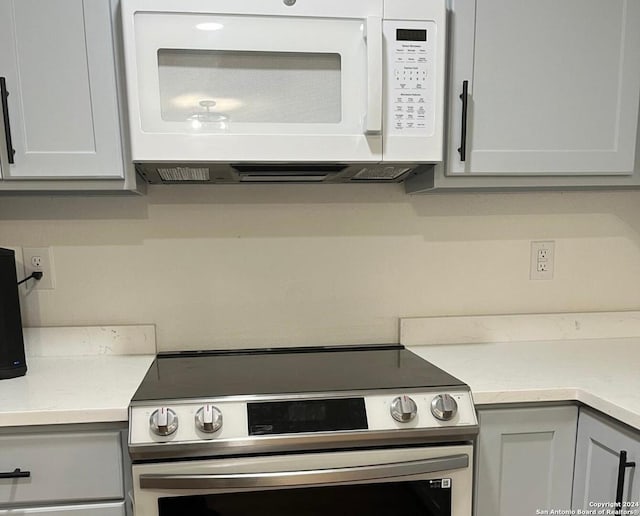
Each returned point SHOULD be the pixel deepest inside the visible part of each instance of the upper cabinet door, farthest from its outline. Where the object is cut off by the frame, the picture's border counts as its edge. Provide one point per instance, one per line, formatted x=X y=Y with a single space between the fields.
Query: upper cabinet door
x=552 y=87
x=57 y=58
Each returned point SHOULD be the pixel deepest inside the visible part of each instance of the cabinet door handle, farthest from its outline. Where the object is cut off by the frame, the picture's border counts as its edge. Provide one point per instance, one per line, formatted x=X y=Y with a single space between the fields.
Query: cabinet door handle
x=463 y=136
x=622 y=469
x=5 y=117
x=16 y=473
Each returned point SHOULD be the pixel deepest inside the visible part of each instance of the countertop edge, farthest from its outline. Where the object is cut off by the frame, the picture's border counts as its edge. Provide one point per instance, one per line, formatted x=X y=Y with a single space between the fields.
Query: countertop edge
x=65 y=417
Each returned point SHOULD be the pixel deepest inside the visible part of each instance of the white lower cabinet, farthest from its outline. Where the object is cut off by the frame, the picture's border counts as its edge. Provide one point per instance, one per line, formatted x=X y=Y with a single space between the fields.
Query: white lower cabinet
x=63 y=470
x=599 y=457
x=524 y=460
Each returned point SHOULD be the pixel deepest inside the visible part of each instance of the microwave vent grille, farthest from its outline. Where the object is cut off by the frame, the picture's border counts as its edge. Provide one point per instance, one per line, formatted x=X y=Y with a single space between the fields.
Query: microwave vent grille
x=184 y=174
x=380 y=173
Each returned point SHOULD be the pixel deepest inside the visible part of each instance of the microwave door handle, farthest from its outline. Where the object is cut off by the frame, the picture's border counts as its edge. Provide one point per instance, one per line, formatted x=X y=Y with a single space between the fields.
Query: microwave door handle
x=305 y=477
x=373 y=36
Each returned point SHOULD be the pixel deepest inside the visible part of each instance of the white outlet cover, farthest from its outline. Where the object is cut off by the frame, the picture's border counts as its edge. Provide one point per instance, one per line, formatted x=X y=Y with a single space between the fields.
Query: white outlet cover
x=48 y=278
x=544 y=260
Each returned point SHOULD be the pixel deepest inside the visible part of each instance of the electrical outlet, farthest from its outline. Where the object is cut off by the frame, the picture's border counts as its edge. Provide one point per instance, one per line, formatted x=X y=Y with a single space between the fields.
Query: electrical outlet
x=542 y=267
x=542 y=255
x=38 y=259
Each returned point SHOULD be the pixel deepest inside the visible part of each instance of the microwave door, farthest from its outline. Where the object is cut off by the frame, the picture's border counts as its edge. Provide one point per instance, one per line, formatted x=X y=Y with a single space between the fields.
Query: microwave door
x=230 y=87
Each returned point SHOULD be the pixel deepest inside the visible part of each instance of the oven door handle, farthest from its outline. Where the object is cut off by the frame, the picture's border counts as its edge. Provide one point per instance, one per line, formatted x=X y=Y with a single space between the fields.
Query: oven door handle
x=305 y=477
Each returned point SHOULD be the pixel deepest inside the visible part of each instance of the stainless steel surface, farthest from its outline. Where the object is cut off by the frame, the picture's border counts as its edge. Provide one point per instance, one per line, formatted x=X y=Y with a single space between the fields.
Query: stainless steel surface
x=208 y=419
x=163 y=428
x=289 y=396
x=444 y=407
x=403 y=409
x=303 y=478
x=317 y=441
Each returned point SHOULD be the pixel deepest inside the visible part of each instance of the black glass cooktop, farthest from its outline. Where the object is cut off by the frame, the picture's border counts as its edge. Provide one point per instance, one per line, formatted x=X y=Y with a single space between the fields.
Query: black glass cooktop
x=209 y=374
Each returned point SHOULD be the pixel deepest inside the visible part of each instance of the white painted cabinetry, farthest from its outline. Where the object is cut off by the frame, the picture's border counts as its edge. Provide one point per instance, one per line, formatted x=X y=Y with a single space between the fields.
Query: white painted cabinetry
x=524 y=460
x=59 y=62
x=552 y=95
x=71 y=471
x=599 y=448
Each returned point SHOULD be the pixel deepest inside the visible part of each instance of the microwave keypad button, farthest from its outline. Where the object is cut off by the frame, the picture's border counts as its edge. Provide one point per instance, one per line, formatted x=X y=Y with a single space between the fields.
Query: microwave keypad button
x=411 y=79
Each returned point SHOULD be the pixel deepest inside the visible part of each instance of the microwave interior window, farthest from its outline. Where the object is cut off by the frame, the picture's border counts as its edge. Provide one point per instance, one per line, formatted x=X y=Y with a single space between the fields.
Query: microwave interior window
x=418 y=498
x=202 y=87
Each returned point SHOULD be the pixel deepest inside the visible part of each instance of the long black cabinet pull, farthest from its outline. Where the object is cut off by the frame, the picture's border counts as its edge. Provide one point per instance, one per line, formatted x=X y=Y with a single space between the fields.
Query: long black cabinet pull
x=622 y=469
x=5 y=117
x=16 y=473
x=463 y=136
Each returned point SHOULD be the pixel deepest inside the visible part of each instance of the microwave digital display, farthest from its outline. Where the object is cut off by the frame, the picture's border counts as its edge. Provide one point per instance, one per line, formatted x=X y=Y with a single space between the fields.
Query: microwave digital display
x=411 y=35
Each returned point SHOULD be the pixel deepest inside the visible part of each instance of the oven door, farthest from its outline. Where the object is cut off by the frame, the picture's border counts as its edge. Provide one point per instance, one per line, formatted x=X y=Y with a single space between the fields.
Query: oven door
x=425 y=481
x=251 y=80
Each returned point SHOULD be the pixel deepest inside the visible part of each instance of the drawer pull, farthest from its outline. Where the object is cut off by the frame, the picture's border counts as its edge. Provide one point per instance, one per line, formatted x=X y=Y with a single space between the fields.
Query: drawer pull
x=16 y=473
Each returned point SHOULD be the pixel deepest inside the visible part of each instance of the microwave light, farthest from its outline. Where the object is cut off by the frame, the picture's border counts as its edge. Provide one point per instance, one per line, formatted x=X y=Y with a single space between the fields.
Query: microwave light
x=209 y=26
x=190 y=100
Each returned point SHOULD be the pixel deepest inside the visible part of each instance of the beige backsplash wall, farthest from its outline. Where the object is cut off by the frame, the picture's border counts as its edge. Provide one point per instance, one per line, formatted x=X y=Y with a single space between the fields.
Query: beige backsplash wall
x=242 y=266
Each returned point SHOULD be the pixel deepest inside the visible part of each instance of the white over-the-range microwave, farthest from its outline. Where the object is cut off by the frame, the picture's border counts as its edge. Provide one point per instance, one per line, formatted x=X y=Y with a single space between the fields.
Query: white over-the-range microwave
x=228 y=91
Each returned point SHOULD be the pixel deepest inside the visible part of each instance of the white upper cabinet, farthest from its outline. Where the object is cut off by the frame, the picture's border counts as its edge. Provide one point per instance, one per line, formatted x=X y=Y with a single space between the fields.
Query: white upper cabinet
x=57 y=59
x=553 y=87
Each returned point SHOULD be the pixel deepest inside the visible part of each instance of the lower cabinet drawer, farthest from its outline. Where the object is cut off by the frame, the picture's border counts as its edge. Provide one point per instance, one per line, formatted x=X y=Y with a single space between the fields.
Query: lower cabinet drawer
x=64 y=467
x=100 y=509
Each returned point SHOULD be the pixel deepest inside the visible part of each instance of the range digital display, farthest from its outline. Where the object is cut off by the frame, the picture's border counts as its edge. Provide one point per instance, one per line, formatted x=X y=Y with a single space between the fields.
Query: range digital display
x=411 y=35
x=289 y=417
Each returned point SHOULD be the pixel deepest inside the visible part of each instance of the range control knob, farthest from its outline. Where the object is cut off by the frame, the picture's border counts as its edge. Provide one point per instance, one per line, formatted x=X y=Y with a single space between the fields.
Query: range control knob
x=403 y=409
x=444 y=407
x=163 y=421
x=208 y=419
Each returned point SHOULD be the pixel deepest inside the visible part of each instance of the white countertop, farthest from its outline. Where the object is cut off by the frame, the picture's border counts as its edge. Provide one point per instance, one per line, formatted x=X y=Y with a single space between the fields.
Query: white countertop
x=85 y=375
x=603 y=373
x=77 y=375
x=61 y=390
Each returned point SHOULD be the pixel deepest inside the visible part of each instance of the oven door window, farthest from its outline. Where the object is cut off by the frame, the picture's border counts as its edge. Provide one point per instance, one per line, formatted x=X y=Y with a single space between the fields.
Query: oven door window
x=418 y=498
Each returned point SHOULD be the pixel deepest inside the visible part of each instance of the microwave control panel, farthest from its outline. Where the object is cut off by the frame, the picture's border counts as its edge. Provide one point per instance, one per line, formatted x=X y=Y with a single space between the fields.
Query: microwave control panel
x=410 y=86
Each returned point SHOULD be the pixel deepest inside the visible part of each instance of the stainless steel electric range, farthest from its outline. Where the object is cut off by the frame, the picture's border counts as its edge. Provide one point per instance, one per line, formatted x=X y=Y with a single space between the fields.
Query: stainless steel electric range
x=349 y=430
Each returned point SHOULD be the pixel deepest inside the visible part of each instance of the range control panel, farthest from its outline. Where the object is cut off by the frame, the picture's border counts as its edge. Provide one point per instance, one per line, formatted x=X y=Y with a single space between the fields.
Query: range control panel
x=223 y=419
x=410 y=55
